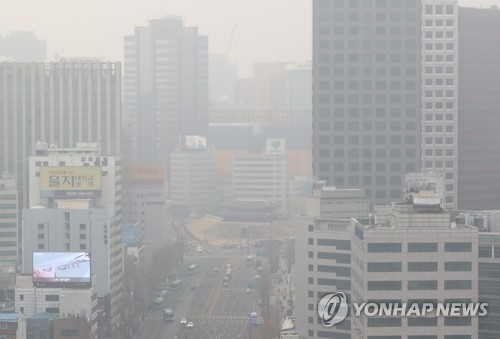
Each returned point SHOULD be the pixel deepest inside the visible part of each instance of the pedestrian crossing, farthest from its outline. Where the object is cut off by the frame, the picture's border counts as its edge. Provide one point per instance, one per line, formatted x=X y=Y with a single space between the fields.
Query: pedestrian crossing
x=204 y=317
x=220 y=317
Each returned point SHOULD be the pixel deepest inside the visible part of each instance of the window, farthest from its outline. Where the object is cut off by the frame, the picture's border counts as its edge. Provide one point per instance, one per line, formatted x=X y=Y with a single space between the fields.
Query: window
x=51 y=297
x=457 y=321
x=458 y=266
x=384 y=267
x=422 y=285
x=422 y=267
x=458 y=247
x=418 y=247
x=422 y=322
x=69 y=333
x=457 y=284
x=384 y=247
x=52 y=310
x=390 y=285
x=384 y=322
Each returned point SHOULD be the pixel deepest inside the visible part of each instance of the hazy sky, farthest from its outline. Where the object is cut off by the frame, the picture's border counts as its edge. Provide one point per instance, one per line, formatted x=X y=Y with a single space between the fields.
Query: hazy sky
x=267 y=30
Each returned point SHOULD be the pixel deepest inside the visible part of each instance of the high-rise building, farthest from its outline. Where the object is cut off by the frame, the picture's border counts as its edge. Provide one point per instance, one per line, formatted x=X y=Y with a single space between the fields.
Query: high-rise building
x=9 y=235
x=192 y=180
x=412 y=253
x=488 y=224
x=75 y=206
x=23 y=47
x=263 y=176
x=439 y=95
x=166 y=88
x=366 y=94
x=61 y=103
x=145 y=202
x=9 y=217
x=478 y=108
x=323 y=255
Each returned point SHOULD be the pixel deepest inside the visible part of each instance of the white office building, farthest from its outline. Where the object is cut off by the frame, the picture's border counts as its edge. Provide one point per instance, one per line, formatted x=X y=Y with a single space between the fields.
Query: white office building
x=9 y=207
x=413 y=253
x=67 y=302
x=75 y=205
x=439 y=95
x=323 y=255
x=192 y=180
x=262 y=176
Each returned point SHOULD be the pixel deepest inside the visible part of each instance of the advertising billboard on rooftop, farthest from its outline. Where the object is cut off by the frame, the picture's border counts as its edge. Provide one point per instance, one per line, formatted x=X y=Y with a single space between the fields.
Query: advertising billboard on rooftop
x=61 y=269
x=144 y=173
x=70 y=182
x=196 y=142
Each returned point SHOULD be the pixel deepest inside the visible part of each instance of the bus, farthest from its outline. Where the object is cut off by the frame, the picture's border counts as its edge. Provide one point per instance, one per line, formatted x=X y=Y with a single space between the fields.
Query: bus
x=249 y=260
x=168 y=314
x=192 y=268
x=176 y=284
x=253 y=318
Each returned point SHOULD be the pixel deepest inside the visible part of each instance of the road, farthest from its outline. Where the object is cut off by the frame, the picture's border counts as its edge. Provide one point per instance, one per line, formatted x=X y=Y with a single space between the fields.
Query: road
x=217 y=312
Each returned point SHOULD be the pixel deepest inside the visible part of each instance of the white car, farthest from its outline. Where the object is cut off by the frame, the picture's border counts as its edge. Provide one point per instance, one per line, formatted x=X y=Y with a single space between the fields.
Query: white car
x=190 y=324
x=183 y=321
x=199 y=249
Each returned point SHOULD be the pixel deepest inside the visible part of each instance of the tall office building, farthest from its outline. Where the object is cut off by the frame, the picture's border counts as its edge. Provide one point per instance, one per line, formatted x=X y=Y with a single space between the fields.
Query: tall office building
x=366 y=94
x=166 y=88
x=59 y=103
x=192 y=181
x=440 y=93
x=262 y=176
x=323 y=256
x=75 y=205
x=394 y=259
x=478 y=108
x=9 y=207
x=145 y=202
x=9 y=235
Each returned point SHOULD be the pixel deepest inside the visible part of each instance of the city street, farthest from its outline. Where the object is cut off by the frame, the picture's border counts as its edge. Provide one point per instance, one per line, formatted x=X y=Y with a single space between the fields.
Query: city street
x=216 y=311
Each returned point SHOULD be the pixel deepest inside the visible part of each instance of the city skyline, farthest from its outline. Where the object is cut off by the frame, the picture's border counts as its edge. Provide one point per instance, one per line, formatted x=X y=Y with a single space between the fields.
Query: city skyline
x=253 y=41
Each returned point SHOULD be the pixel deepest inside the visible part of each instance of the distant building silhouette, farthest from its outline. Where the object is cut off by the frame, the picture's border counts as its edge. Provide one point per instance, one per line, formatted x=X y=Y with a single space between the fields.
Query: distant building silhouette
x=166 y=88
x=478 y=108
x=60 y=103
x=366 y=94
x=23 y=47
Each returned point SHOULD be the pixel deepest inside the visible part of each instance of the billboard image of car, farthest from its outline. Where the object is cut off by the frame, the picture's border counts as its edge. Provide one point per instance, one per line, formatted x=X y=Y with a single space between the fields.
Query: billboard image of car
x=61 y=269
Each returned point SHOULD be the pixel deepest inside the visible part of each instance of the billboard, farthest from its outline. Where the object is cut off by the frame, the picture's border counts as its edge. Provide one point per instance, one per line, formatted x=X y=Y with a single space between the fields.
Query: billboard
x=61 y=269
x=418 y=182
x=196 y=142
x=70 y=182
x=144 y=173
x=275 y=146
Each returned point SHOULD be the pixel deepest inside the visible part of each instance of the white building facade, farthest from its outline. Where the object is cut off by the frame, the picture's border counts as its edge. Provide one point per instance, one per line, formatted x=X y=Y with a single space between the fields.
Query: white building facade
x=88 y=223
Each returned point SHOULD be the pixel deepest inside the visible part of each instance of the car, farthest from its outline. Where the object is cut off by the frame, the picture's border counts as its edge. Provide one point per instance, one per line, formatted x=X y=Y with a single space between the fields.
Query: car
x=226 y=284
x=183 y=321
x=190 y=324
x=162 y=293
x=216 y=268
x=249 y=291
x=199 y=249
